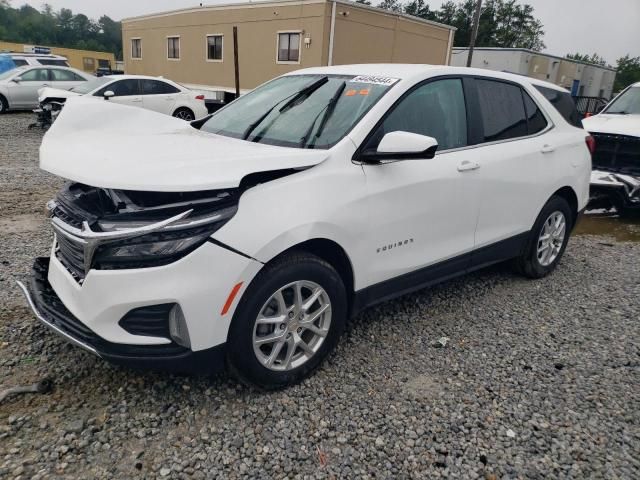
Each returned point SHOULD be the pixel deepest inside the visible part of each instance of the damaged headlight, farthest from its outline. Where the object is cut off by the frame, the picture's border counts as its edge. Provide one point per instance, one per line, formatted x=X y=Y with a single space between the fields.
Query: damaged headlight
x=157 y=248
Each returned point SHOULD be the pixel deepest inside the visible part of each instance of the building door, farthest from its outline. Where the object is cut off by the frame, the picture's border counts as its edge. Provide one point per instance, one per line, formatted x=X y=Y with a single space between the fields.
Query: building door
x=574 y=88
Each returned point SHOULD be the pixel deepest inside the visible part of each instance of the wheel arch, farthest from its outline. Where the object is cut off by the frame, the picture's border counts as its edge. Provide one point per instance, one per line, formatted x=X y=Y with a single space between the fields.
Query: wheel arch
x=571 y=197
x=332 y=253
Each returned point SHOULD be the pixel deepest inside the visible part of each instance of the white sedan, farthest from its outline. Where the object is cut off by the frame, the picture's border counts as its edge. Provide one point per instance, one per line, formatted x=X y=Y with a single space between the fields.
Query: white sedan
x=152 y=93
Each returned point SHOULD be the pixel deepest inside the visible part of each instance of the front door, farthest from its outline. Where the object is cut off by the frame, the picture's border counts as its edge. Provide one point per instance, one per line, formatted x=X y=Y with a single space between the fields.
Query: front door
x=423 y=212
x=125 y=92
x=24 y=94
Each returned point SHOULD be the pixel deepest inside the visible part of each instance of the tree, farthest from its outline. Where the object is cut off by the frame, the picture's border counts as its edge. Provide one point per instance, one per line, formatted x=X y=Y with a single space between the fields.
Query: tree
x=391 y=5
x=628 y=72
x=593 y=58
x=62 y=28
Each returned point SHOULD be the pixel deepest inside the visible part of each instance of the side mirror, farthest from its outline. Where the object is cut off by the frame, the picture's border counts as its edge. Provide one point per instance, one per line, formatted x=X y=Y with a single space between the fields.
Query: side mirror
x=108 y=94
x=17 y=79
x=402 y=146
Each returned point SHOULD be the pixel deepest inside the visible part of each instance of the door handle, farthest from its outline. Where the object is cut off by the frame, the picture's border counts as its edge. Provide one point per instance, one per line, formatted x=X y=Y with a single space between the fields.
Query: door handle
x=466 y=166
x=546 y=148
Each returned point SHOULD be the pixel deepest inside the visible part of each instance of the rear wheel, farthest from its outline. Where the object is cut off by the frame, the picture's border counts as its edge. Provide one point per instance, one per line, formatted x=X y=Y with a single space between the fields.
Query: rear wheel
x=184 y=114
x=289 y=319
x=548 y=240
x=4 y=105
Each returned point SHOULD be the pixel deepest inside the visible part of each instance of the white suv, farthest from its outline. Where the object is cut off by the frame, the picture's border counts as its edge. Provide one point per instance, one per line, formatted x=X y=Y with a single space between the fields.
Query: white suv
x=251 y=241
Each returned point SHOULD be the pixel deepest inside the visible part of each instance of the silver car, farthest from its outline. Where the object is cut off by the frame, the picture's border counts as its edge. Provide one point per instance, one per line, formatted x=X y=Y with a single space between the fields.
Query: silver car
x=19 y=86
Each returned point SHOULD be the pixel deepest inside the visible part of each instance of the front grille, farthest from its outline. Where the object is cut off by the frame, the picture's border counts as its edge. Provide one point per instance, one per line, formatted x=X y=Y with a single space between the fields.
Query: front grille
x=617 y=153
x=71 y=255
x=67 y=216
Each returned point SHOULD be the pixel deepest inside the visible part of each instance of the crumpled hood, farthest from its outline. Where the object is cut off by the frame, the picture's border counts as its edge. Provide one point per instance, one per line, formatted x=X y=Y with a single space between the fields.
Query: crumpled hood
x=103 y=144
x=49 y=92
x=613 y=123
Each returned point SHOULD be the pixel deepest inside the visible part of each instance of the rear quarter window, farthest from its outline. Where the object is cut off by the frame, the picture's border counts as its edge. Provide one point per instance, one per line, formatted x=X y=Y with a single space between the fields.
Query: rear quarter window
x=564 y=104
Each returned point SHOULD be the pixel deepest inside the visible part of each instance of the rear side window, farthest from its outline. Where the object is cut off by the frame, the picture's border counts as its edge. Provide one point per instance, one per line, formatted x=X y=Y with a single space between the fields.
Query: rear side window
x=564 y=104
x=535 y=119
x=58 y=75
x=19 y=62
x=55 y=63
x=156 y=87
x=502 y=110
x=436 y=109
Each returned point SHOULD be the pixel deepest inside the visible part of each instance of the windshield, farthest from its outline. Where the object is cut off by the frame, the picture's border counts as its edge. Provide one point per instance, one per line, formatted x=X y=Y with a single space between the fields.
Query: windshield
x=10 y=73
x=627 y=102
x=304 y=111
x=91 y=85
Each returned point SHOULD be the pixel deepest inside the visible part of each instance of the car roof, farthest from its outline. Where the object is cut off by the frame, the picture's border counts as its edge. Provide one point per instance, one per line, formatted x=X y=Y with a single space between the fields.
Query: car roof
x=409 y=71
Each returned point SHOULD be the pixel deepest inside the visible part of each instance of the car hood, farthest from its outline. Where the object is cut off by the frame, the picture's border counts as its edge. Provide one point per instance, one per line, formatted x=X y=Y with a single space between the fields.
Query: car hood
x=107 y=145
x=49 y=92
x=613 y=123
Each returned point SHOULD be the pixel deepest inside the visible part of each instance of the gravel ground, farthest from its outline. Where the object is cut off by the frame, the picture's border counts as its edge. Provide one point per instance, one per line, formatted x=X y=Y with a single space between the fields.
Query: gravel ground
x=538 y=379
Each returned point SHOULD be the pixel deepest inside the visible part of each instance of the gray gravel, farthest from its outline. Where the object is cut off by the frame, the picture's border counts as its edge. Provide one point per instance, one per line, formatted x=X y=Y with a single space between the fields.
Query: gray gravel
x=537 y=379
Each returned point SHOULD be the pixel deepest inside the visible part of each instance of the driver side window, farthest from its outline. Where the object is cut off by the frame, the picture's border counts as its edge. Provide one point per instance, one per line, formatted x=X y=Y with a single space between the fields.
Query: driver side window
x=35 y=75
x=435 y=109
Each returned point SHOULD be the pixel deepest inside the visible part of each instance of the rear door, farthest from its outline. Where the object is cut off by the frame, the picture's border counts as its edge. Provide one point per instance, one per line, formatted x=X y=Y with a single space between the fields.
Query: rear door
x=519 y=149
x=64 y=79
x=159 y=96
x=126 y=92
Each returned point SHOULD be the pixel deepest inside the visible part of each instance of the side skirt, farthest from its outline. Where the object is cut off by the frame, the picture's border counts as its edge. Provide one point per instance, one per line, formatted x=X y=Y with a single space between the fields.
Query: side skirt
x=440 y=272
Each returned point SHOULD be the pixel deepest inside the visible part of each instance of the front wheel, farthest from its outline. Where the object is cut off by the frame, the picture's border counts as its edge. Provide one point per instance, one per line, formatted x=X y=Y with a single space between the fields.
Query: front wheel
x=4 y=105
x=289 y=319
x=548 y=239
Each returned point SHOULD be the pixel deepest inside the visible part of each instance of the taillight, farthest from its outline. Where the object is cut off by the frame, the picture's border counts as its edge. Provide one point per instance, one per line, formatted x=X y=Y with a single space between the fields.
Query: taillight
x=587 y=115
x=199 y=97
x=591 y=144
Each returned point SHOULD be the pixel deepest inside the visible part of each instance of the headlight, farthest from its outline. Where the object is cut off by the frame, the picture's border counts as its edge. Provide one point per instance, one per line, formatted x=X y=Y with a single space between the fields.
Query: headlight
x=158 y=248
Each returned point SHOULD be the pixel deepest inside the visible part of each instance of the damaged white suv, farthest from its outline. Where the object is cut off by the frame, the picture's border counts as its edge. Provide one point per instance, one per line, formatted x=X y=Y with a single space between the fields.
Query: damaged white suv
x=249 y=238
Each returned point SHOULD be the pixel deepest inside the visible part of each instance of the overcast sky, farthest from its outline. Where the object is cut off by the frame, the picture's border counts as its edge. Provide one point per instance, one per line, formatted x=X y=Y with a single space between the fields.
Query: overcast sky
x=609 y=28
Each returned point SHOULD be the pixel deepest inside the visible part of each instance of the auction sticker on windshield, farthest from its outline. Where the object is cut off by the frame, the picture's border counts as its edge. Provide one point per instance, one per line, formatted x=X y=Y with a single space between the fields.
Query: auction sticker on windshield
x=374 y=80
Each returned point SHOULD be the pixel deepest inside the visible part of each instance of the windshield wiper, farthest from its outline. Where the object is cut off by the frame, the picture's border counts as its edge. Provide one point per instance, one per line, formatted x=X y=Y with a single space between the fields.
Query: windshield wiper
x=328 y=111
x=294 y=97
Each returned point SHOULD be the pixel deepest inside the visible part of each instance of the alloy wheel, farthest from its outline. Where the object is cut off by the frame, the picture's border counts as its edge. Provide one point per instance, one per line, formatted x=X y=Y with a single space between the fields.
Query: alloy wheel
x=292 y=326
x=551 y=238
x=184 y=115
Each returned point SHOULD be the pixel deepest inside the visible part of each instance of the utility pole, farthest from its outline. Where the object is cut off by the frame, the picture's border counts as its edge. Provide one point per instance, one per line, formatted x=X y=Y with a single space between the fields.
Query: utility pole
x=236 y=66
x=474 y=31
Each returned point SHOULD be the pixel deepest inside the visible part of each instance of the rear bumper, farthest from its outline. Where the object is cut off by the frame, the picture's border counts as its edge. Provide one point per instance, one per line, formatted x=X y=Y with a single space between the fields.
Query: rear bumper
x=50 y=310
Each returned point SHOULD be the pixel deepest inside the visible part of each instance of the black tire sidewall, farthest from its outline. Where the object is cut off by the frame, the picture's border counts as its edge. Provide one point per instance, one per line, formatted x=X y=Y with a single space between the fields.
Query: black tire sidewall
x=4 y=105
x=532 y=265
x=185 y=109
x=241 y=359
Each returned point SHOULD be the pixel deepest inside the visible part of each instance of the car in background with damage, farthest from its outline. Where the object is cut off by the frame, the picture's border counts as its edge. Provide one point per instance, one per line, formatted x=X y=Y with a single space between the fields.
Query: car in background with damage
x=615 y=181
x=247 y=239
x=152 y=93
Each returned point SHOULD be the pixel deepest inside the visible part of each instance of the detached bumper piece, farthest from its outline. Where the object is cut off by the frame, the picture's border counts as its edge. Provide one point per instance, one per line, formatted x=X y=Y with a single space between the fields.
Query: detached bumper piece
x=50 y=310
x=614 y=189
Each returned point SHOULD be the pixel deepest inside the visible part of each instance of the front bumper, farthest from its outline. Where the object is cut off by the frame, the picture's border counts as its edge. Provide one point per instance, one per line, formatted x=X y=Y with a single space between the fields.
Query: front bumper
x=613 y=189
x=49 y=309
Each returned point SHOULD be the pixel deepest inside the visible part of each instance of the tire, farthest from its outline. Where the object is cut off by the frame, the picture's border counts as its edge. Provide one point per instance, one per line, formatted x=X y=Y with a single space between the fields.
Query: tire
x=185 y=114
x=4 y=105
x=269 y=365
x=535 y=264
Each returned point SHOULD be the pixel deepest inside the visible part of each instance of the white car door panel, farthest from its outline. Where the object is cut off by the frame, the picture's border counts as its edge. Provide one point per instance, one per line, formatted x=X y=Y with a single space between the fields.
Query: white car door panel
x=24 y=94
x=126 y=92
x=159 y=96
x=423 y=211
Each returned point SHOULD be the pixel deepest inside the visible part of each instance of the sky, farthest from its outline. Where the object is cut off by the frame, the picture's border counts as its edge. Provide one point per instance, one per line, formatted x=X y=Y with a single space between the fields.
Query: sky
x=609 y=28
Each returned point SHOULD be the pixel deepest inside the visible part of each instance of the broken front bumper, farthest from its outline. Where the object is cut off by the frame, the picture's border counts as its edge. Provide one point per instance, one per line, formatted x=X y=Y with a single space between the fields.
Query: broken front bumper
x=50 y=310
x=614 y=189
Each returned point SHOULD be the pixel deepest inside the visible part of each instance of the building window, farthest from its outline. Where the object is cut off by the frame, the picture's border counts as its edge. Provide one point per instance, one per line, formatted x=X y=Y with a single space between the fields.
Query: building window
x=289 y=47
x=214 y=48
x=136 y=48
x=173 y=48
x=88 y=64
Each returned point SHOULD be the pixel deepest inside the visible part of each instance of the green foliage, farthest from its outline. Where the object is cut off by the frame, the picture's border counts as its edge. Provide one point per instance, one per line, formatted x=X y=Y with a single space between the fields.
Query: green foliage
x=593 y=58
x=503 y=23
x=628 y=72
x=59 y=29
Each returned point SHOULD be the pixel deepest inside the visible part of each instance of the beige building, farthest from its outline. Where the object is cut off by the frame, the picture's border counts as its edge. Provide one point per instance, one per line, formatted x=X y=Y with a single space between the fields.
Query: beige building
x=85 y=60
x=581 y=78
x=195 y=45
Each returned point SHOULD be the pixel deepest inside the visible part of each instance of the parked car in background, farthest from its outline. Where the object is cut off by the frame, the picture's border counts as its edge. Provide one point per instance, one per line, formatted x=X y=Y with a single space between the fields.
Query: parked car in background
x=26 y=59
x=248 y=239
x=19 y=87
x=152 y=93
x=102 y=71
x=616 y=159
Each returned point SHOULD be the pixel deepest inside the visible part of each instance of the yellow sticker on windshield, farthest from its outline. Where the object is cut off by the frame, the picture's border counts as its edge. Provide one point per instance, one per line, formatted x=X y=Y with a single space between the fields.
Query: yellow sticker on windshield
x=350 y=93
